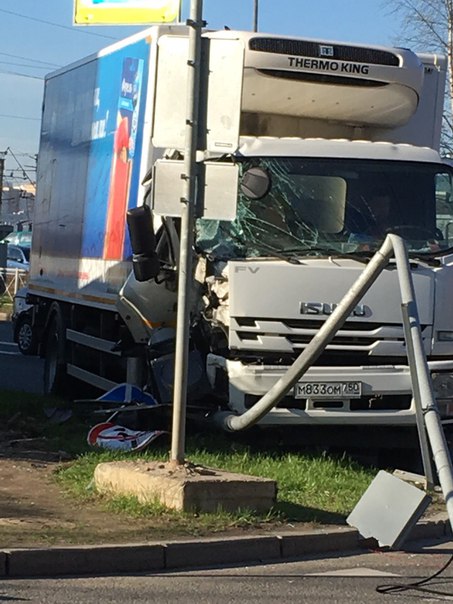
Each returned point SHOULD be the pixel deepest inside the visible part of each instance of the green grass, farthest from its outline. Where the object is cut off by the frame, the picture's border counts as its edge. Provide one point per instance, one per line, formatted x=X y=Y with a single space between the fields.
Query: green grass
x=315 y=488
x=6 y=304
x=311 y=488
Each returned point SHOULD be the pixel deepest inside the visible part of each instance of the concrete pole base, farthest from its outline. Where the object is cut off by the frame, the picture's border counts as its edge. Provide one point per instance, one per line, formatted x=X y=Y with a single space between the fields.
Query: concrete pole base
x=186 y=487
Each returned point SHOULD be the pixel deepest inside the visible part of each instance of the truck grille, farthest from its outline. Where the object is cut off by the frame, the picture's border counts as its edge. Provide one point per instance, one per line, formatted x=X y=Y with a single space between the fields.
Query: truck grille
x=305 y=48
x=357 y=342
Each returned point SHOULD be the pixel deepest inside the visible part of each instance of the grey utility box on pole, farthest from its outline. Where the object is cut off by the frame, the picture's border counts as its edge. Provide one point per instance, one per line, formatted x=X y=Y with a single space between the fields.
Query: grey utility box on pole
x=220 y=98
x=218 y=181
x=388 y=510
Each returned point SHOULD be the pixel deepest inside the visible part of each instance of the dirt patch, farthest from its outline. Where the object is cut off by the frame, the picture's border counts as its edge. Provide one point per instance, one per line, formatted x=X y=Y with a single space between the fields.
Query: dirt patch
x=35 y=511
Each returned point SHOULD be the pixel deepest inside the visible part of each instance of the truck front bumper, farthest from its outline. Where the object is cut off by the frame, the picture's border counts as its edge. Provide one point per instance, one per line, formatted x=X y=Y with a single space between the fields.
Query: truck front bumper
x=385 y=399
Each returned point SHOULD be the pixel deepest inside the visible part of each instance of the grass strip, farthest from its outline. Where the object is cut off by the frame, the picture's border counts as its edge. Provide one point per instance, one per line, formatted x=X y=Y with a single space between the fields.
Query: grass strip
x=317 y=488
x=311 y=488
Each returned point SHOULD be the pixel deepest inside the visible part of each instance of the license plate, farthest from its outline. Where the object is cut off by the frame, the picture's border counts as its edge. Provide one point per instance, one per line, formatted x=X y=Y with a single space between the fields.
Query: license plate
x=328 y=390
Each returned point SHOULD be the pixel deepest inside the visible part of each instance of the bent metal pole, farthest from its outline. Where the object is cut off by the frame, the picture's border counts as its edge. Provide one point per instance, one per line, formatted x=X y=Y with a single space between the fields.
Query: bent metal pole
x=187 y=225
x=315 y=346
x=434 y=429
x=393 y=245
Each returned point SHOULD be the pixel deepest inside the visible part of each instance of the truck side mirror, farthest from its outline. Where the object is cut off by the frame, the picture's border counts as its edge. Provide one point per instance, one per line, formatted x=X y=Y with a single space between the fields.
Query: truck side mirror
x=255 y=183
x=145 y=262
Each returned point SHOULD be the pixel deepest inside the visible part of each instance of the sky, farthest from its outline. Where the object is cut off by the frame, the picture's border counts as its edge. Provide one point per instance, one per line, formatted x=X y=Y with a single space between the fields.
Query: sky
x=38 y=36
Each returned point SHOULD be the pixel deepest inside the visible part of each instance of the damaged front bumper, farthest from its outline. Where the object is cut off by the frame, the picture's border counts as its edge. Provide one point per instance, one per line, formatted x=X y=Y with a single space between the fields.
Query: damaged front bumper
x=380 y=394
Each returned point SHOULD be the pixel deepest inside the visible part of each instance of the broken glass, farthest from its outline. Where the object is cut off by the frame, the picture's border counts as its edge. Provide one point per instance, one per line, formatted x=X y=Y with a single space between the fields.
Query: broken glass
x=322 y=206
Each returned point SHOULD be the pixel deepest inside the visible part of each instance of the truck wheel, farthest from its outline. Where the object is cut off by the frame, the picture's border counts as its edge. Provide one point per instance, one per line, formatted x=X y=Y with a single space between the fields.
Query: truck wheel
x=54 y=364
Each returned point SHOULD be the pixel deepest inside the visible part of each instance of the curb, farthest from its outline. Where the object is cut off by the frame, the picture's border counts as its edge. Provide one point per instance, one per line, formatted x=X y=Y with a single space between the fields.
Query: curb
x=108 y=559
x=4 y=316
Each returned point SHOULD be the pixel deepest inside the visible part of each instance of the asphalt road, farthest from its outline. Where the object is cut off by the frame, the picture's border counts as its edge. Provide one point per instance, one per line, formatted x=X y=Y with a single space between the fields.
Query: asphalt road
x=17 y=372
x=341 y=579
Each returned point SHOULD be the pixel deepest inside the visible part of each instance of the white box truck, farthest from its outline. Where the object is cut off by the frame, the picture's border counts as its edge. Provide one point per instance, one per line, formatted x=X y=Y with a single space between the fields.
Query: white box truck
x=339 y=144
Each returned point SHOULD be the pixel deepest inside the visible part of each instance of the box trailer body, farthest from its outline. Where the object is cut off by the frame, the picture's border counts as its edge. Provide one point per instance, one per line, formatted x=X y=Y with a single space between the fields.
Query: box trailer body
x=326 y=123
x=91 y=110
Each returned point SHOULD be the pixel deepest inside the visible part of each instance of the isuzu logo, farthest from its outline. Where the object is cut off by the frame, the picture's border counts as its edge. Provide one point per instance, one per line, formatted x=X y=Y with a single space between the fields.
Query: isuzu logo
x=325 y=51
x=327 y=308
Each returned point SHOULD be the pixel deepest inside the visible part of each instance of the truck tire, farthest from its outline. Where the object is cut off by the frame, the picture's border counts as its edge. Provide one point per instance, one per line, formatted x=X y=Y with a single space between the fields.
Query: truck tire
x=54 y=361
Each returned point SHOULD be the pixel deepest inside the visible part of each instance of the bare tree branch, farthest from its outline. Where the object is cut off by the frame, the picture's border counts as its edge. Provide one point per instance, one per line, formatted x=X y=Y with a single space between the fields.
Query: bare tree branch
x=423 y=22
x=427 y=25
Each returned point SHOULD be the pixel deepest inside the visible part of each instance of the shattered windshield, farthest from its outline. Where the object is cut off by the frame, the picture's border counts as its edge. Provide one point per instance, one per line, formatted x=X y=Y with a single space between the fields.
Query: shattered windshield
x=323 y=206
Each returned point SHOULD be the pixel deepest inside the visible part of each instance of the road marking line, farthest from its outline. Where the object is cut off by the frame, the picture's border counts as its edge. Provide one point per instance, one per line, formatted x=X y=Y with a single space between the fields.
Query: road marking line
x=353 y=572
x=8 y=344
x=13 y=354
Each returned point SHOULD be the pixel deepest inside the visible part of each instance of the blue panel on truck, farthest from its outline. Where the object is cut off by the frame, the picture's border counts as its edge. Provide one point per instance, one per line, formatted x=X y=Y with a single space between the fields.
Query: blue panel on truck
x=114 y=157
x=91 y=162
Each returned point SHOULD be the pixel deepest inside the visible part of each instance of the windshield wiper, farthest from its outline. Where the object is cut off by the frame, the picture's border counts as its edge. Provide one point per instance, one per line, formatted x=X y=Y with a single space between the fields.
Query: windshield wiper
x=432 y=254
x=319 y=252
x=283 y=253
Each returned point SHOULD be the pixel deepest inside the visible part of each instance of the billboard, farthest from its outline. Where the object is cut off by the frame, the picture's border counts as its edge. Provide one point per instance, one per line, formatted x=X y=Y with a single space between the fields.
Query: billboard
x=122 y=12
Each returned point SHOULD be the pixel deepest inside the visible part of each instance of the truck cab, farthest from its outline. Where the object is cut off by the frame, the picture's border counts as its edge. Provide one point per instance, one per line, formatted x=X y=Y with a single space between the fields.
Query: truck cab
x=293 y=252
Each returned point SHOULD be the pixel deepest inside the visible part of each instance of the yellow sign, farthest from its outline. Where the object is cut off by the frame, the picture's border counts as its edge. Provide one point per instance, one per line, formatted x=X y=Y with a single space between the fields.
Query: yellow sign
x=125 y=12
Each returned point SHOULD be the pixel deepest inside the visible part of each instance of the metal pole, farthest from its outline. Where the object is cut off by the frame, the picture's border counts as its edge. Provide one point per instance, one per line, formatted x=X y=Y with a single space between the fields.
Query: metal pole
x=187 y=224
x=408 y=318
x=433 y=424
x=255 y=15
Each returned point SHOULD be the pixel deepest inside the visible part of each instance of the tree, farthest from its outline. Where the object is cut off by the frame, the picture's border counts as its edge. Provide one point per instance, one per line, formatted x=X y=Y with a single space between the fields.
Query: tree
x=427 y=25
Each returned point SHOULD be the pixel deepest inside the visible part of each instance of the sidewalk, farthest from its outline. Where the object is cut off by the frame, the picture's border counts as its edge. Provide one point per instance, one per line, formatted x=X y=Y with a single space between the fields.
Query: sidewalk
x=206 y=552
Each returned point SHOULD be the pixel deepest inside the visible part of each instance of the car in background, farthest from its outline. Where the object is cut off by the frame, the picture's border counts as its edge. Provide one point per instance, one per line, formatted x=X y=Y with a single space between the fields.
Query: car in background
x=21 y=238
x=22 y=321
x=17 y=256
